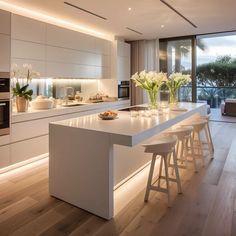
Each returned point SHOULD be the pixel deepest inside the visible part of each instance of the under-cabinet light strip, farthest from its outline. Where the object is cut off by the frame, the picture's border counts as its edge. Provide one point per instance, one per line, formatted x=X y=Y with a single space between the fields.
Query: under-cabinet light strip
x=52 y=20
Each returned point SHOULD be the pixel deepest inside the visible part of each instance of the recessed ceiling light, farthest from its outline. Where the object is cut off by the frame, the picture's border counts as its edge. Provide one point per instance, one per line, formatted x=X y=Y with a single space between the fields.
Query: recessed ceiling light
x=129 y=8
x=162 y=26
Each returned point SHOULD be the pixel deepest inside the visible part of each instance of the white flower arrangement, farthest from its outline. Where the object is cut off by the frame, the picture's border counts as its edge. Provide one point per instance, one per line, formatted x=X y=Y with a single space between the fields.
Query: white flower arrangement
x=24 y=72
x=150 y=81
x=174 y=82
x=21 y=78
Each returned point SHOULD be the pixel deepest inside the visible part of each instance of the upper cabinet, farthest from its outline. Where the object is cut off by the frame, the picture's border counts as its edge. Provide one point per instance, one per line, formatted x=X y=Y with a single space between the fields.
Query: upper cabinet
x=122 y=58
x=58 y=52
x=5 y=45
x=26 y=29
x=5 y=22
x=28 y=43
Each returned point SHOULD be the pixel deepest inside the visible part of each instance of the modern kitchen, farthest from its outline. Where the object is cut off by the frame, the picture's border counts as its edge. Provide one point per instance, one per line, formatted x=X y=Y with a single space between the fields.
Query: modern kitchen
x=97 y=136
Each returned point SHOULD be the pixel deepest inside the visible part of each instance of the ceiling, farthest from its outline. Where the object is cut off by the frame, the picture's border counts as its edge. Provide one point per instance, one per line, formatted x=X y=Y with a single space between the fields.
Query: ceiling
x=146 y=16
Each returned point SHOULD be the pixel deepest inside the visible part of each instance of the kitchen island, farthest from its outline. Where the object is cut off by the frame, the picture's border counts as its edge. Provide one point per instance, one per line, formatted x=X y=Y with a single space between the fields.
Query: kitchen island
x=90 y=159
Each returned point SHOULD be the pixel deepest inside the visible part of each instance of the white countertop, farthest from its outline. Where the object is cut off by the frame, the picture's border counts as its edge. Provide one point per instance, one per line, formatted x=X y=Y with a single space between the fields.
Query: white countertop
x=133 y=129
x=38 y=114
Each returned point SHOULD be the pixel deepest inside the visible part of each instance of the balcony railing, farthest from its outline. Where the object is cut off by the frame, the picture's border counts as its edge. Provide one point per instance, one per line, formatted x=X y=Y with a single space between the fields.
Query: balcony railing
x=212 y=95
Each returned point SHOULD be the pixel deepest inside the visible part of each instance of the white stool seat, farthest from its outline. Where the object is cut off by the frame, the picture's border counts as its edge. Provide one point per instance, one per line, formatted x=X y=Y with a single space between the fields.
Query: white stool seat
x=164 y=144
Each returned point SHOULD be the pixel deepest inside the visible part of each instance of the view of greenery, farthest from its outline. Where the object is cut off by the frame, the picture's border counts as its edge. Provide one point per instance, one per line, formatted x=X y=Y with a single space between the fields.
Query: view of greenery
x=217 y=80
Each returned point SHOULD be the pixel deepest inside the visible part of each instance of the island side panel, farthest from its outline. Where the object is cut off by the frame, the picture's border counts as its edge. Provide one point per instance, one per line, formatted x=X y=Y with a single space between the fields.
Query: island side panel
x=81 y=169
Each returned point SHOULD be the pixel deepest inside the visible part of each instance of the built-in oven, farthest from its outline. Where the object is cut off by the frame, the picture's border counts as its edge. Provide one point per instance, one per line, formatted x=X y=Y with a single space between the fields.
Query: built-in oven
x=123 y=89
x=4 y=103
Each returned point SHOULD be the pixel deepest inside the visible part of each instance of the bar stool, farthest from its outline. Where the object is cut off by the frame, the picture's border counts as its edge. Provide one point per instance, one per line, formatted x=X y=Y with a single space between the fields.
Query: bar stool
x=164 y=147
x=200 y=125
x=207 y=118
x=185 y=138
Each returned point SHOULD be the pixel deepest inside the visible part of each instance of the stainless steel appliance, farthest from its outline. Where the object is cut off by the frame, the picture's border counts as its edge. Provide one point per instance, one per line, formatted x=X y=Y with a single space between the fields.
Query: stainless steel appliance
x=4 y=103
x=123 y=89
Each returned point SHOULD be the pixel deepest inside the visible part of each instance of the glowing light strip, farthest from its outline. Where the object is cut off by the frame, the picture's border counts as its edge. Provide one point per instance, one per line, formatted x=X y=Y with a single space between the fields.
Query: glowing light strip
x=52 y=20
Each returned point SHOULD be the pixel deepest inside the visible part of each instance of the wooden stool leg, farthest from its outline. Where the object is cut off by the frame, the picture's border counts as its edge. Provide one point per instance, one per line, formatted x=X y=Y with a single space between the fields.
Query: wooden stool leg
x=167 y=179
x=177 y=172
x=160 y=172
x=200 y=148
x=208 y=141
x=193 y=154
x=209 y=133
x=149 y=183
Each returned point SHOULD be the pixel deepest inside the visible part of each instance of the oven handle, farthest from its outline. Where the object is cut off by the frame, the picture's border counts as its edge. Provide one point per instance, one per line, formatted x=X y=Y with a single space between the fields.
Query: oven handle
x=2 y=104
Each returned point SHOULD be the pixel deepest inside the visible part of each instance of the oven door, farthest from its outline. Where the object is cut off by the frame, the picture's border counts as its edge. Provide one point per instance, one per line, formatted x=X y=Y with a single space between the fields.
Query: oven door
x=123 y=91
x=4 y=117
x=4 y=88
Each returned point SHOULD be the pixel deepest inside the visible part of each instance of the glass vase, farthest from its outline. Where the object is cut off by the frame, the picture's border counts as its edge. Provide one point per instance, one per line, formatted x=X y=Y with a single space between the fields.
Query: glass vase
x=152 y=99
x=164 y=98
x=174 y=96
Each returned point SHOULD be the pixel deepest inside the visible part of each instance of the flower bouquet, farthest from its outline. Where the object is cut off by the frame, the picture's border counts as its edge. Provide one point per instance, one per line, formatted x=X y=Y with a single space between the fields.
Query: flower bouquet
x=151 y=82
x=174 y=82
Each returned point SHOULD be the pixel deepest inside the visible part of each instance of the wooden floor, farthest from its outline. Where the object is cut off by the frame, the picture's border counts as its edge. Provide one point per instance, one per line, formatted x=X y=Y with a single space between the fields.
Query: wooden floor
x=207 y=207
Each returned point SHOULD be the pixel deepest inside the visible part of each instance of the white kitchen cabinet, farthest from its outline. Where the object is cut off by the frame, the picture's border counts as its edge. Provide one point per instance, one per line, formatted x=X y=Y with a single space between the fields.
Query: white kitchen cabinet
x=4 y=156
x=61 y=37
x=121 y=55
x=64 y=55
x=27 y=29
x=102 y=46
x=5 y=22
x=4 y=53
x=38 y=65
x=26 y=149
x=27 y=50
x=56 y=69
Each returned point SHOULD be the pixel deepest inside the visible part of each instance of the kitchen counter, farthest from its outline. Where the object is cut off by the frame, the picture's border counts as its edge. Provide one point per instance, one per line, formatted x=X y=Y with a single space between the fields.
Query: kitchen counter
x=38 y=114
x=90 y=157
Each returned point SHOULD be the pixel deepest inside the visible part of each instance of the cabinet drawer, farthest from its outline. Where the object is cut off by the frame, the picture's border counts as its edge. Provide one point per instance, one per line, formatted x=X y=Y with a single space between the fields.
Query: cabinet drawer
x=4 y=156
x=27 y=149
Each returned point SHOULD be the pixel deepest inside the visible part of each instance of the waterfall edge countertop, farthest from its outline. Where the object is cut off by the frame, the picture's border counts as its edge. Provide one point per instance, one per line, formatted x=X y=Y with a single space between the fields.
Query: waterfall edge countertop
x=86 y=164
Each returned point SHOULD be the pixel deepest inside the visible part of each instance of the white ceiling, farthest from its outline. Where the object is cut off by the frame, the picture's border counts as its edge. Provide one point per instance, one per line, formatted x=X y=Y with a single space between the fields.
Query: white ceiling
x=146 y=16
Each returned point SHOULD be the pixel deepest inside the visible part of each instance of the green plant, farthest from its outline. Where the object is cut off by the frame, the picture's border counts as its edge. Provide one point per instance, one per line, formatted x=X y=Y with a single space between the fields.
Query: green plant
x=23 y=91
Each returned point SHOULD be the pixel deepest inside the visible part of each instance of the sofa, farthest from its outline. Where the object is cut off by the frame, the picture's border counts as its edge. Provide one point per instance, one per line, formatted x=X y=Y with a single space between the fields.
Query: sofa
x=228 y=107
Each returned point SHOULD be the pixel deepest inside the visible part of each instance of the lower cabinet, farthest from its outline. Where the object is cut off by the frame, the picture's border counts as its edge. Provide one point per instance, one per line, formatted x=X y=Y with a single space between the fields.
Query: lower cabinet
x=23 y=150
x=5 y=156
x=29 y=139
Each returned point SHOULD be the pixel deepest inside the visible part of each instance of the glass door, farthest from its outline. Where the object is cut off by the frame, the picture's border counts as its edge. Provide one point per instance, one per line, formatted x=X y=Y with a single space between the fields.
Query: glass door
x=177 y=55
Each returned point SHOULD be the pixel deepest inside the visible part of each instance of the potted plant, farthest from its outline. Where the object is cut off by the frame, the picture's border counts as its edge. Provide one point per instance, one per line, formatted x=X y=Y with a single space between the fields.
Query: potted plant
x=20 y=87
x=151 y=82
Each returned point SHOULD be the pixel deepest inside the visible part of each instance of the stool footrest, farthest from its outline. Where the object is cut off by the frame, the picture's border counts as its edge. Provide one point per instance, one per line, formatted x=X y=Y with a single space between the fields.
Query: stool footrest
x=159 y=189
x=170 y=179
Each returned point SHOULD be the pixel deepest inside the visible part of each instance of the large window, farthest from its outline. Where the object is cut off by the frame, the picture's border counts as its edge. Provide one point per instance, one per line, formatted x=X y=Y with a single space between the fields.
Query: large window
x=216 y=68
x=210 y=59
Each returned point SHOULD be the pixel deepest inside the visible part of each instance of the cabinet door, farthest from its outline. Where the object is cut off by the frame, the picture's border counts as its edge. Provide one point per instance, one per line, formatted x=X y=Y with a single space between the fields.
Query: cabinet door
x=5 y=22
x=4 y=53
x=27 y=29
x=21 y=151
x=58 y=36
x=38 y=65
x=27 y=50
x=5 y=156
